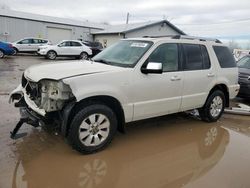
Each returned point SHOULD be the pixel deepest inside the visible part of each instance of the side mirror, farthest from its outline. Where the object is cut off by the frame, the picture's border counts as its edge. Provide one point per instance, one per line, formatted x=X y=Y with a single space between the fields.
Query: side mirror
x=152 y=68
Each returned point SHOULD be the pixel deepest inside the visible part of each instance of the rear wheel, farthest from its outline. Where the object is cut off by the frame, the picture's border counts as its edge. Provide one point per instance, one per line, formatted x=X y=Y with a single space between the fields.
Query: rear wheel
x=83 y=55
x=1 y=54
x=51 y=55
x=92 y=128
x=214 y=107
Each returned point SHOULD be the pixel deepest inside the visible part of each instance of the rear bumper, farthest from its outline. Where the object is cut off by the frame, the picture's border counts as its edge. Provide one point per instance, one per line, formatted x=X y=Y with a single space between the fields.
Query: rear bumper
x=233 y=90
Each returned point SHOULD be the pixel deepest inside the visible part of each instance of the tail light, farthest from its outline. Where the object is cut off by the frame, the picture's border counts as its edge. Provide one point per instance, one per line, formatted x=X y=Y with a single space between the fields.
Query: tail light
x=10 y=45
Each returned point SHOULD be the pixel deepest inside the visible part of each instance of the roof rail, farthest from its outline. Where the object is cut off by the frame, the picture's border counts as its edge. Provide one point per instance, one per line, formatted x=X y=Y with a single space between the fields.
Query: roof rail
x=196 y=38
x=161 y=36
x=185 y=37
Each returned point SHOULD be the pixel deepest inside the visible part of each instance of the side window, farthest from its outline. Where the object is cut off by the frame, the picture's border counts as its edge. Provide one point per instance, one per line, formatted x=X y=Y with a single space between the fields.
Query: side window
x=75 y=44
x=64 y=44
x=193 y=57
x=36 y=41
x=167 y=54
x=205 y=57
x=224 y=56
x=25 y=41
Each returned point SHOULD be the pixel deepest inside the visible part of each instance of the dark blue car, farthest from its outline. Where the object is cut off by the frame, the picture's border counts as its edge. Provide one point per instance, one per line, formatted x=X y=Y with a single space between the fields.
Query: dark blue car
x=6 y=49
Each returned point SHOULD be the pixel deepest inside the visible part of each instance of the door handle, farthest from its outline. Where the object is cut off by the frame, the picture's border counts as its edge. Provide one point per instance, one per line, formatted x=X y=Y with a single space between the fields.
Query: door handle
x=210 y=75
x=175 y=78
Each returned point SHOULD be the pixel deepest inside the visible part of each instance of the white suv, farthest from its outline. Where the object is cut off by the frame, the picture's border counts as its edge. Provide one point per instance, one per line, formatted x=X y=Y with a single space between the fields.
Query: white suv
x=132 y=80
x=66 y=48
x=29 y=45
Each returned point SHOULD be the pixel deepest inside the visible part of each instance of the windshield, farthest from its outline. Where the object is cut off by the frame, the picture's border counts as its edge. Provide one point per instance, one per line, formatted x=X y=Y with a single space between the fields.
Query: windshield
x=244 y=62
x=125 y=53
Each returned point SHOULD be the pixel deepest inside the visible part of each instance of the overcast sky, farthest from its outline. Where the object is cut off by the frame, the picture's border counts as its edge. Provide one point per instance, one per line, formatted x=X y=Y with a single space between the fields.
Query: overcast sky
x=214 y=18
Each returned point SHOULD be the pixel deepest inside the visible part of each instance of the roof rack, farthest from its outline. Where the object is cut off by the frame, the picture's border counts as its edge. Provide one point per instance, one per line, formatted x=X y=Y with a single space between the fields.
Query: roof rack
x=185 y=37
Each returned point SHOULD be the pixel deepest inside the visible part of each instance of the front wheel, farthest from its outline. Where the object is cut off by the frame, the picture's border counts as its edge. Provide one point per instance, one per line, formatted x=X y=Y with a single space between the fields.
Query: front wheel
x=92 y=128
x=214 y=107
x=51 y=55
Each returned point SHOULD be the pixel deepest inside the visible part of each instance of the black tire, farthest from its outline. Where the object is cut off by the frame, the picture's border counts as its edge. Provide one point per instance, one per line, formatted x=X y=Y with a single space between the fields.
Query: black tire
x=83 y=55
x=205 y=111
x=16 y=51
x=51 y=55
x=2 y=54
x=82 y=116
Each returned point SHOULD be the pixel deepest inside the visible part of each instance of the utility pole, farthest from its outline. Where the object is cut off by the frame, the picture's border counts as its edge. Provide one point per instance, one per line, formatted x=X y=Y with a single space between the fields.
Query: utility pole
x=127 y=18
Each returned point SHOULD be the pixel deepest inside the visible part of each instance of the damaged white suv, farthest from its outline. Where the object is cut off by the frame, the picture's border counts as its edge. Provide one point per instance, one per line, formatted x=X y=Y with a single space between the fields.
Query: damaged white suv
x=132 y=80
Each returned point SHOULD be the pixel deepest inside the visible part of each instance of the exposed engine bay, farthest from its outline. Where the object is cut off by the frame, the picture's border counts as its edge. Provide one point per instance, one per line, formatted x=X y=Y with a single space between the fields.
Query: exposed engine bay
x=48 y=95
x=43 y=97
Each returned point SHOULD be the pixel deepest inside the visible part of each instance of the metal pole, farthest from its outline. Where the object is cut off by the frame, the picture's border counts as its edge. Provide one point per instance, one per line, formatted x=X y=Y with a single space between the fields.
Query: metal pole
x=127 y=18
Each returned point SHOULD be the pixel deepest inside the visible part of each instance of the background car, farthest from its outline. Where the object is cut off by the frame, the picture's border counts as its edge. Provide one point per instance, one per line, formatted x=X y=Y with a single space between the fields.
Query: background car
x=6 y=49
x=29 y=45
x=244 y=77
x=96 y=47
x=66 y=48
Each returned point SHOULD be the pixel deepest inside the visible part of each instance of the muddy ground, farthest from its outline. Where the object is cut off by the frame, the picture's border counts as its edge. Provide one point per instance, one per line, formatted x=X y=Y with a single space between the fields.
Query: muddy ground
x=172 y=151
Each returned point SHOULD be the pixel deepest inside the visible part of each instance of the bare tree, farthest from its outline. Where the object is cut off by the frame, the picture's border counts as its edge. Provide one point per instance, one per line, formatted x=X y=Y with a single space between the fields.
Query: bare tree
x=233 y=45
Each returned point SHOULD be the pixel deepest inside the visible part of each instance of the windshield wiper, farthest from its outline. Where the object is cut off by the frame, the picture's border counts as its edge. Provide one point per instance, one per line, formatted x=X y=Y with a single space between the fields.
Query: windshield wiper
x=103 y=61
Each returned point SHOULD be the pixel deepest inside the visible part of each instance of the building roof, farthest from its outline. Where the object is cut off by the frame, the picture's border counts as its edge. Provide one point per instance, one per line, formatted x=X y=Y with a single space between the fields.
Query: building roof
x=49 y=19
x=125 y=28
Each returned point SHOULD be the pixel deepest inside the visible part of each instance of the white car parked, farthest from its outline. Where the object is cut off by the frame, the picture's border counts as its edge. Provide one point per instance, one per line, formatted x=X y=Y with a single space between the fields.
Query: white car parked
x=66 y=48
x=132 y=80
x=29 y=45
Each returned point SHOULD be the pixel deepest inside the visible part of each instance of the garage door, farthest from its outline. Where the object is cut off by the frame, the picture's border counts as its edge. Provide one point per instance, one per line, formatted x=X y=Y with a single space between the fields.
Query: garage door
x=55 y=35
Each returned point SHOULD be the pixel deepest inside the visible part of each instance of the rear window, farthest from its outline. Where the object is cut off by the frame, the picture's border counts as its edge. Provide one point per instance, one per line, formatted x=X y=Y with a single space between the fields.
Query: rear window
x=224 y=56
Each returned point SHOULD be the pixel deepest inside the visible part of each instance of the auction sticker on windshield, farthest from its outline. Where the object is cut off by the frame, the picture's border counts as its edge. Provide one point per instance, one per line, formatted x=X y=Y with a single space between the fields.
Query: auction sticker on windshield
x=139 y=44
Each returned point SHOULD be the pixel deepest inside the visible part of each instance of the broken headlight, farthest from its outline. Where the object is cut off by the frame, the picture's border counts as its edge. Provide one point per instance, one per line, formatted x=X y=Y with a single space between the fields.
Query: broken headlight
x=53 y=95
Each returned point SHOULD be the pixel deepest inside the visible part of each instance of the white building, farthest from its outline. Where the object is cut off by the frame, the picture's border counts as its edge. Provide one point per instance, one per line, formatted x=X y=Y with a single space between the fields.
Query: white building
x=16 y=25
x=152 y=28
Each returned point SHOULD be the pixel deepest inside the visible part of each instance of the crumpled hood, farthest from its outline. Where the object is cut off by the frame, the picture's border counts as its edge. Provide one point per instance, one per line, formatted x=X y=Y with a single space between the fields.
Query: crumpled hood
x=57 y=71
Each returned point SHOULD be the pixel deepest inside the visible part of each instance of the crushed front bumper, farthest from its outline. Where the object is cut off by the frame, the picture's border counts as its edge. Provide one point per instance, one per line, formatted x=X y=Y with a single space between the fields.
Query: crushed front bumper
x=29 y=113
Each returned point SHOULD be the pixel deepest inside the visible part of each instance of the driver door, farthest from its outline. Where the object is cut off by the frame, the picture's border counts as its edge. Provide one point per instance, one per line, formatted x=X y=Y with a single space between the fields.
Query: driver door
x=159 y=94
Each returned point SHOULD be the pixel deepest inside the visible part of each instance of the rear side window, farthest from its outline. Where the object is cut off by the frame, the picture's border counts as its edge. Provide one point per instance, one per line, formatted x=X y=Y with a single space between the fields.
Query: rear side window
x=193 y=57
x=205 y=57
x=224 y=56
x=75 y=44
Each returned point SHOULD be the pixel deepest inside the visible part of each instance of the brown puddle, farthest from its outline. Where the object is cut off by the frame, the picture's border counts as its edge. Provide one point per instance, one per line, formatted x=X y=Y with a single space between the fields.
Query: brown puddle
x=172 y=151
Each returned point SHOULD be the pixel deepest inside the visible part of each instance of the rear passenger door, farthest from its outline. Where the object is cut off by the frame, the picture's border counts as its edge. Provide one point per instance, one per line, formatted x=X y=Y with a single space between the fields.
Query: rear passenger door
x=198 y=74
x=35 y=45
x=76 y=48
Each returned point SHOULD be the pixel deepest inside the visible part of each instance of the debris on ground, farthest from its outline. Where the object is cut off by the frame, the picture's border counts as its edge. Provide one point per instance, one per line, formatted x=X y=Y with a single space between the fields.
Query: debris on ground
x=242 y=109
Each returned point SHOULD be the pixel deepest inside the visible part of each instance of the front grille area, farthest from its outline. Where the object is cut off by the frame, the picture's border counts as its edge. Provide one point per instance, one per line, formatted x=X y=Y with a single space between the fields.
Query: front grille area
x=24 y=81
x=32 y=88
